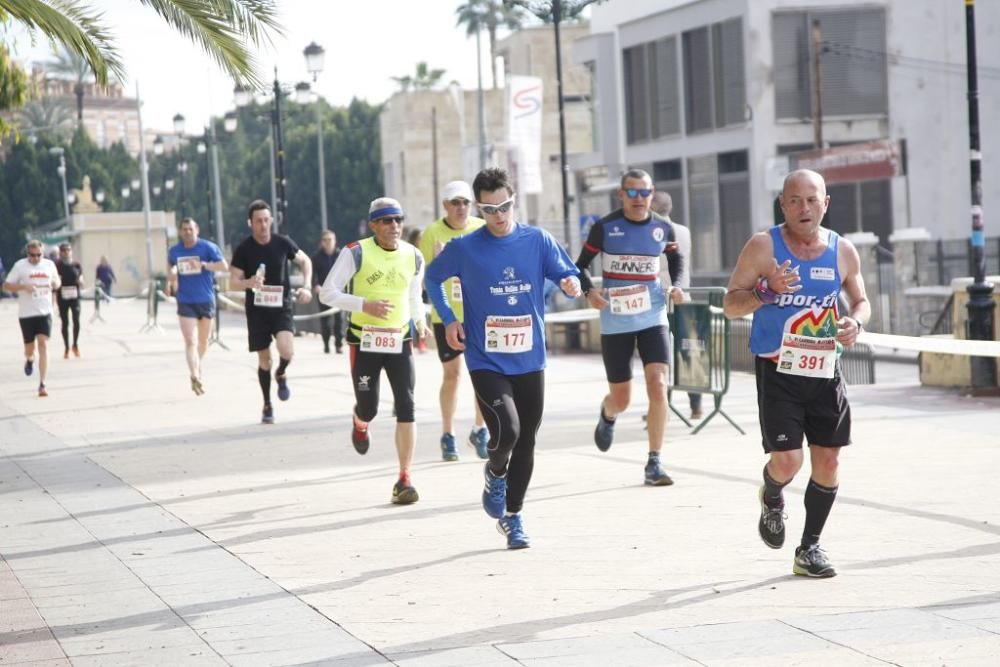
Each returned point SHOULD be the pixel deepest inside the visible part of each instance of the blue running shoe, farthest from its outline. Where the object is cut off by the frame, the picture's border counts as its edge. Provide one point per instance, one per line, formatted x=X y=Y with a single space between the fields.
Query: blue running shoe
x=284 y=393
x=494 y=494
x=267 y=415
x=604 y=434
x=480 y=439
x=448 y=449
x=655 y=475
x=510 y=526
x=29 y=366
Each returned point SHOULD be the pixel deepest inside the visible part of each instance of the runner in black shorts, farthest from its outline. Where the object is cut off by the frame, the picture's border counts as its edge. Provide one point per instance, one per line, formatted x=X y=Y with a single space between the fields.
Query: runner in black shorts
x=632 y=241
x=33 y=279
x=791 y=278
x=456 y=223
x=260 y=266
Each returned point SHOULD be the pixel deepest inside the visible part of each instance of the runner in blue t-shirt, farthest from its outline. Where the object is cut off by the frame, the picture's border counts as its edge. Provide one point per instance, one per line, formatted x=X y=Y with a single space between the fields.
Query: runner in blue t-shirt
x=502 y=267
x=193 y=263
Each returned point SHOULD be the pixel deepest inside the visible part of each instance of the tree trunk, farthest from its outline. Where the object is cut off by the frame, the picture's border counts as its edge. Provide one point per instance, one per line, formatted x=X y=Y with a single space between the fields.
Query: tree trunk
x=493 y=53
x=78 y=91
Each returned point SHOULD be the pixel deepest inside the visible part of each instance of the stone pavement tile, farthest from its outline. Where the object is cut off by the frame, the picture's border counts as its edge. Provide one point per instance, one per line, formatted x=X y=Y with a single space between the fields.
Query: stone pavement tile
x=905 y=636
x=190 y=656
x=28 y=644
x=735 y=643
x=631 y=650
x=468 y=656
x=299 y=657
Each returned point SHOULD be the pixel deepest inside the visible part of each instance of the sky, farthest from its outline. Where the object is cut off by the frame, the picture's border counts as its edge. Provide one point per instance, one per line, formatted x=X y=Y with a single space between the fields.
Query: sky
x=366 y=43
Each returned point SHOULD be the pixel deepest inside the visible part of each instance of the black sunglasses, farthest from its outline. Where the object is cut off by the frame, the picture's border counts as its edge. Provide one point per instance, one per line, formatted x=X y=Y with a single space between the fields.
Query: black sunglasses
x=398 y=219
x=634 y=192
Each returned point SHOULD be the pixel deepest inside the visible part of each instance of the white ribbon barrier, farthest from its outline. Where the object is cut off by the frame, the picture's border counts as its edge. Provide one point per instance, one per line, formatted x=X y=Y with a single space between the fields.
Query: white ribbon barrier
x=298 y=318
x=973 y=348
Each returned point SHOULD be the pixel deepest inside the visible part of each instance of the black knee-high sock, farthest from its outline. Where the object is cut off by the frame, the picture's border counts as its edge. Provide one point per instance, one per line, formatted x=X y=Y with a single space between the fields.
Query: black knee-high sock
x=282 y=365
x=819 y=501
x=772 y=490
x=264 y=378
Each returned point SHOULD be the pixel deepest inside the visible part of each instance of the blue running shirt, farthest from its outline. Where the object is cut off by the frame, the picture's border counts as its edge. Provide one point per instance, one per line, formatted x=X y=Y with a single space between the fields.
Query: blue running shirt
x=501 y=277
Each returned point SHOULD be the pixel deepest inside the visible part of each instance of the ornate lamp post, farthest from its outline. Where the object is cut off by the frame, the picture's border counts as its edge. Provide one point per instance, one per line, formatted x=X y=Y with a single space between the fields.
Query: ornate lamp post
x=315 y=56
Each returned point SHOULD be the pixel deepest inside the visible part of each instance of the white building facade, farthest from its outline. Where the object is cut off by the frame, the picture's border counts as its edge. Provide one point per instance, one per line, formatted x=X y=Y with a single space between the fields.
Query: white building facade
x=713 y=96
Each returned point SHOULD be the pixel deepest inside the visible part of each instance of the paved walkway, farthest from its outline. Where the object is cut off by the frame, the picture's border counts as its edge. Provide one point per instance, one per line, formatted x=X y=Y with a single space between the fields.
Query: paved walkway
x=141 y=525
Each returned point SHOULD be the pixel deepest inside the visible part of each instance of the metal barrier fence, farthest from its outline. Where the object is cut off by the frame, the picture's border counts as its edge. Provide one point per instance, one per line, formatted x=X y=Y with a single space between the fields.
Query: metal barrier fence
x=701 y=342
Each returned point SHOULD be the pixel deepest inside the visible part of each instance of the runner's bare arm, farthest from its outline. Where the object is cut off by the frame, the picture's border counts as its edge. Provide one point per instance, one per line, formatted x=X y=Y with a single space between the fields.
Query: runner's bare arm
x=853 y=287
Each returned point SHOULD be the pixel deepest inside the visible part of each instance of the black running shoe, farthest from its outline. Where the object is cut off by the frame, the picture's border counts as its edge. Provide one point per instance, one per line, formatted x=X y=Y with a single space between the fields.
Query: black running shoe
x=29 y=366
x=284 y=393
x=267 y=415
x=403 y=493
x=811 y=561
x=360 y=440
x=772 y=523
x=604 y=434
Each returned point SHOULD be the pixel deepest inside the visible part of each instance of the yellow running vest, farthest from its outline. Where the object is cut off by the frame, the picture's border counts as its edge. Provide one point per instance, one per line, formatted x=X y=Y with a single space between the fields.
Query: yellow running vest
x=385 y=274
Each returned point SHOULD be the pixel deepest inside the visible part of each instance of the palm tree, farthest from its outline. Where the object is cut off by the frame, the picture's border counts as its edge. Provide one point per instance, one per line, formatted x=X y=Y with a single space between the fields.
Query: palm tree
x=491 y=15
x=74 y=67
x=425 y=78
x=225 y=29
x=44 y=115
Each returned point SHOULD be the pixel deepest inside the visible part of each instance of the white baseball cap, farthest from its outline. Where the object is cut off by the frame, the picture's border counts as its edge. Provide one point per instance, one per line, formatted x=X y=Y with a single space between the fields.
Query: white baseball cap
x=456 y=189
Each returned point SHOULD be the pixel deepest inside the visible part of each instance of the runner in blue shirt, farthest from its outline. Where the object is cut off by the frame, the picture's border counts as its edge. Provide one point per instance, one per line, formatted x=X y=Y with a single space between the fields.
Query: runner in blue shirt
x=502 y=268
x=193 y=263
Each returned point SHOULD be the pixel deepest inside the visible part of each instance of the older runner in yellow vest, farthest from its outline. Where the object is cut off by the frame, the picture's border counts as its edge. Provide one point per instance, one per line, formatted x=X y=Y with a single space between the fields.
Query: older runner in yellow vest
x=378 y=280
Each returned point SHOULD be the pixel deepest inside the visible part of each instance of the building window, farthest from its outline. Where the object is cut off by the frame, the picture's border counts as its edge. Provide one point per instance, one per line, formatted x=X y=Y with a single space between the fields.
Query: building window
x=714 y=81
x=595 y=109
x=636 y=94
x=668 y=177
x=734 y=204
x=703 y=213
x=852 y=57
x=652 y=98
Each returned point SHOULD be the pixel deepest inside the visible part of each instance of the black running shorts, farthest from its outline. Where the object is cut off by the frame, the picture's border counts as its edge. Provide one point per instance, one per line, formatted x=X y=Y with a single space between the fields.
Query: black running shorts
x=792 y=407
x=38 y=325
x=617 y=349
x=264 y=323
x=445 y=351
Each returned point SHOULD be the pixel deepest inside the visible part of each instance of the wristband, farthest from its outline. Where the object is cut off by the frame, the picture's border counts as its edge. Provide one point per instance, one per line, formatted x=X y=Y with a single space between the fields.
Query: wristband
x=764 y=294
x=858 y=322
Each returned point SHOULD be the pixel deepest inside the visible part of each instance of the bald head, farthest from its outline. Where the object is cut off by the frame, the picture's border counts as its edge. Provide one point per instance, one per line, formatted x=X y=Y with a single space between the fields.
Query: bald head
x=807 y=176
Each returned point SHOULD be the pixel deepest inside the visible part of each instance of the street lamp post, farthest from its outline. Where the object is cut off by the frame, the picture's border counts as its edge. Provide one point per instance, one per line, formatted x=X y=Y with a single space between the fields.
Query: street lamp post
x=314 y=54
x=980 y=307
x=242 y=97
x=556 y=11
x=61 y=169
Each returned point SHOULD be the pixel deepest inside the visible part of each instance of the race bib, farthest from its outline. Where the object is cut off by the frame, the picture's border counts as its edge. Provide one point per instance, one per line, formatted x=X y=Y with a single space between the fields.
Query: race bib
x=41 y=292
x=187 y=266
x=269 y=296
x=807 y=356
x=456 y=290
x=508 y=334
x=69 y=293
x=381 y=339
x=630 y=300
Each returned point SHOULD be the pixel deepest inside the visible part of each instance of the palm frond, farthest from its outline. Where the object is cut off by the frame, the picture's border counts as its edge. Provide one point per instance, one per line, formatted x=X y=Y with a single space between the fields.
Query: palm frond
x=77 y=27
x=220 y=27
